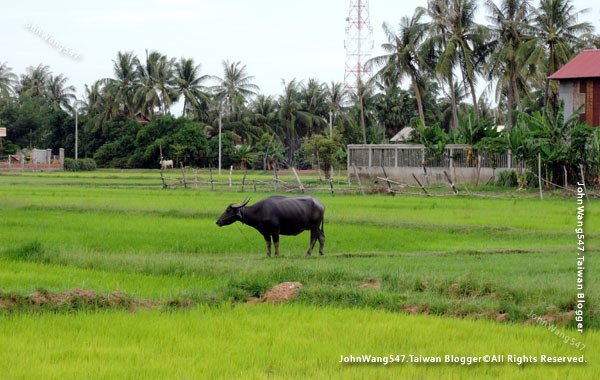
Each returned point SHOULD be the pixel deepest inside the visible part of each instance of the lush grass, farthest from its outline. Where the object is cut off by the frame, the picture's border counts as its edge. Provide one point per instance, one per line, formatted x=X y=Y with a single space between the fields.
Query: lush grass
x=470 y=285
x=286 y=342
x=467 y=257
x=460 y=256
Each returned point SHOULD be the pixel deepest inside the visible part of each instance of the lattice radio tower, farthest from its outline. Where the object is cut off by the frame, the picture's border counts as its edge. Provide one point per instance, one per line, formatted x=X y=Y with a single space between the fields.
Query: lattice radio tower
x=358 y=44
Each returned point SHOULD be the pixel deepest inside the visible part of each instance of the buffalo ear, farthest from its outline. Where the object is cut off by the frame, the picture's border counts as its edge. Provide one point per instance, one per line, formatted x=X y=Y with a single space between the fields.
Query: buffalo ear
x=240 y=205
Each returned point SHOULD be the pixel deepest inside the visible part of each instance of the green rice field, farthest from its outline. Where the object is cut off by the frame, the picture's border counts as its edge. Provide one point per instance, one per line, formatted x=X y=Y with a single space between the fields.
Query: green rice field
x=163 y=292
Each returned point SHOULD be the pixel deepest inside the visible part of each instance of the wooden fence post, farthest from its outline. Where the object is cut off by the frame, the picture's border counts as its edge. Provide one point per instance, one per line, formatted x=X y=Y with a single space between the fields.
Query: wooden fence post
x=183 y=175
x=358 y=179
x=230 y=173
x=478 y=169
x=451 y=183
x=162 y=178
x=298 y=179
x=389 y=185
x=211 y=178
x=540 y=175
x=419 y=183
x=244 y=180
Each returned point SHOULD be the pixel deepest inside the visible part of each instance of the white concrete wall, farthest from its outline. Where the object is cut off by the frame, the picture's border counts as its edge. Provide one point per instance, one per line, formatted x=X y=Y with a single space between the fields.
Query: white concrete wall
x=434 y=175
x=566 y=95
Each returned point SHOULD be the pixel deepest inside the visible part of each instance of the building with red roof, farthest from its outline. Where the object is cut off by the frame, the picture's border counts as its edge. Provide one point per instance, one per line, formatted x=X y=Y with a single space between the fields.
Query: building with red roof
x=580 y=86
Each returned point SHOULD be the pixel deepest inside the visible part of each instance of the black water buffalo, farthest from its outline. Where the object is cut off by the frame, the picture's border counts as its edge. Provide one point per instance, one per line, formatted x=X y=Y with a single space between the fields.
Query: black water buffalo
x=278 y=215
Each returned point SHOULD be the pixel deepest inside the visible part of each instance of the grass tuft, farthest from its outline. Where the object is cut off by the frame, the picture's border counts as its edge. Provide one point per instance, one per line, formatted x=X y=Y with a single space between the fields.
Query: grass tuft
x=32 y=251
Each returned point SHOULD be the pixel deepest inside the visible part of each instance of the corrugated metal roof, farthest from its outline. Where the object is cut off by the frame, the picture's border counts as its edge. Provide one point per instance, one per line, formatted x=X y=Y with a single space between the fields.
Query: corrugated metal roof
x=585 y=65
x=403 y=135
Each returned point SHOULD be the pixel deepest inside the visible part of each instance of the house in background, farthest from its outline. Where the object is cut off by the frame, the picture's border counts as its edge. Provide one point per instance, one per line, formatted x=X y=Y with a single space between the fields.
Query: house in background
x=403 y=136
x=580 y=86
x=140 y=118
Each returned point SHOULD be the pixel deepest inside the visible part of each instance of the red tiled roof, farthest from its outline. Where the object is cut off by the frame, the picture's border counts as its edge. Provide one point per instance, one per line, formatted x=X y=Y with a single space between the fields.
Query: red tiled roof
x=585 y=65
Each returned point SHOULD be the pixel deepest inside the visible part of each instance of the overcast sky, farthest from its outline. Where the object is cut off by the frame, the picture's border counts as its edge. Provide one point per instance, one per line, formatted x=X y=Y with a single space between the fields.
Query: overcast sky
x=275 y=38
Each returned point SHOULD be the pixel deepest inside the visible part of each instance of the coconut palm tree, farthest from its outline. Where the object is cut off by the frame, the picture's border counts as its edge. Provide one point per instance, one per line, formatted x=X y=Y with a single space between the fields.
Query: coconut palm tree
x=460 y=39
x=100 y=104
x=157 y=89
x=336 y=94
x=59 y=93
x=403 y=52
x=337 y=97
x=289 y=112
x=314 y=106
x=189 y=84
x=557 y=30
x=437 y=42
x=264 y=111
x=126 y=81
x=509 y=25
x=35 y=81
x=7 y=80
x=465 y=43
x=235 y=87
x=313 y=97
x=364 y=93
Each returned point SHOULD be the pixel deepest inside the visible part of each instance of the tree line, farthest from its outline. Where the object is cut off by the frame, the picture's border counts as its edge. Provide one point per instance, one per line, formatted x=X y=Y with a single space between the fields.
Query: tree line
x=441 y=52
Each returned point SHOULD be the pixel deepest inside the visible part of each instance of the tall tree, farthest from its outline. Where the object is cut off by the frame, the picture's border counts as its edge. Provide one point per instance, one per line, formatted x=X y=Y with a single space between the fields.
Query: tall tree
x=437 y=42
x=291 y=115
x=7 y=80
x=126 y=81
x=364 y=93
x=35 y=81
x=461 y=39
x=157 y=89
x=235 y=87
x=100 y=104
x=557 y=31
x=264 y=114
x=314 y=106
x=337 y=96
x=509 y=25
x=189 y=84
x=403 y=52
x=59 y=93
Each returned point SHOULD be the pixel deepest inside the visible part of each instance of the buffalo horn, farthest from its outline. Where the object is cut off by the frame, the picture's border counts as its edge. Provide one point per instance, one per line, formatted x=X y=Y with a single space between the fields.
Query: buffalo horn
x=240 y=205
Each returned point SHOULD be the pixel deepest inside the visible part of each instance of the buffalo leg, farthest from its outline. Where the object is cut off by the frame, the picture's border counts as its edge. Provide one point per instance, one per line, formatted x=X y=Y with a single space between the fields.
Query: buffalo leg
x=268 y=241
x=321 y=242
x=276 y=242
x=313 y=240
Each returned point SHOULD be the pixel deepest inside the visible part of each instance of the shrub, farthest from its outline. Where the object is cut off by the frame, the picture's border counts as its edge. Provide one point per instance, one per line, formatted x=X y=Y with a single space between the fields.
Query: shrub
x=507 y=178
x=81 y=165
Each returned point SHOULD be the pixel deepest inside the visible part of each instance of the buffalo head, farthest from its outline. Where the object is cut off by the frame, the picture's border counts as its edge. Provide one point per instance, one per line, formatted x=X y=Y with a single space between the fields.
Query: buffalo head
x=232 y=213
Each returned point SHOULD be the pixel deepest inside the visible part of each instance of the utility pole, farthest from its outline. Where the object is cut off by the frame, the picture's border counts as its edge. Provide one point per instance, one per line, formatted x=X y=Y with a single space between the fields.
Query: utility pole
x=76 y=134
x=220 y=126
x=222 y=104
x=331 y=125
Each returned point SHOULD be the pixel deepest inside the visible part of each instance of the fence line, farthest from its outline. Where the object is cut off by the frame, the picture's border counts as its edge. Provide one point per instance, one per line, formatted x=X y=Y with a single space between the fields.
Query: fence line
x=416 y=156
x=285 y=182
